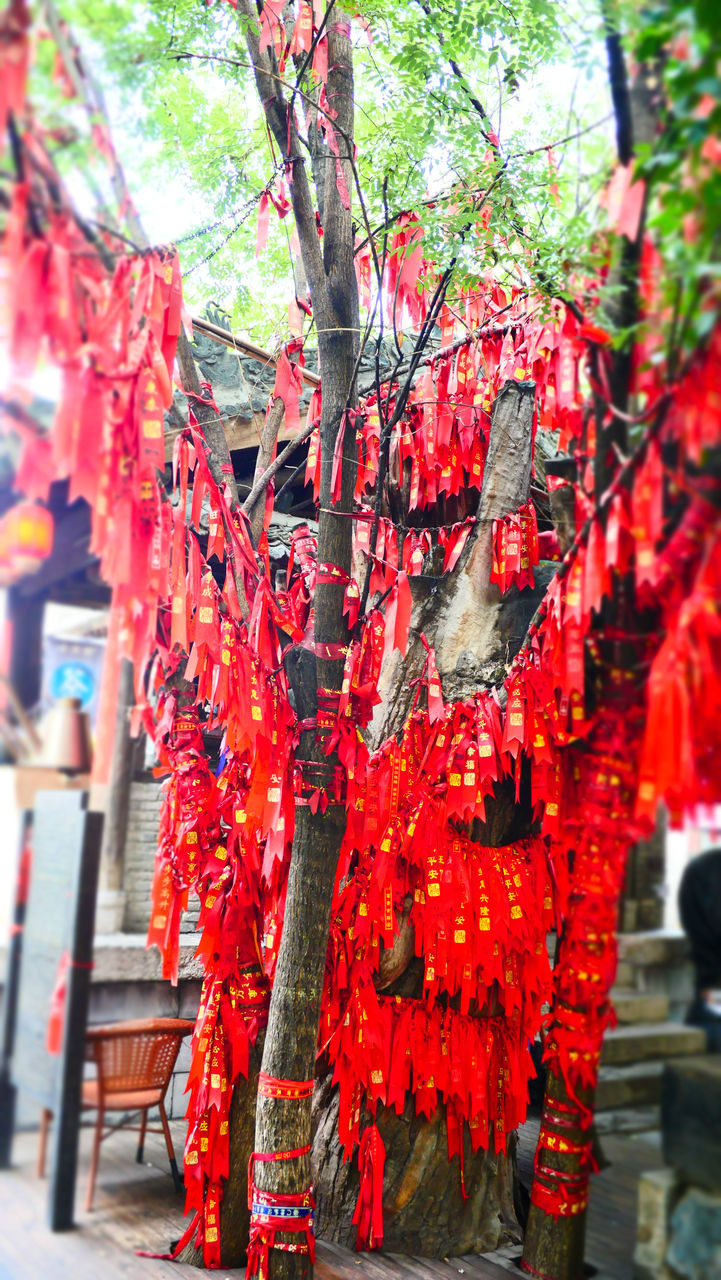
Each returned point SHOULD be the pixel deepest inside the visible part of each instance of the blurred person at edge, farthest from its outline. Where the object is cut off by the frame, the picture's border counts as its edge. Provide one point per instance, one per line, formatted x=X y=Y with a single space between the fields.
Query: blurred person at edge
x=699 y=900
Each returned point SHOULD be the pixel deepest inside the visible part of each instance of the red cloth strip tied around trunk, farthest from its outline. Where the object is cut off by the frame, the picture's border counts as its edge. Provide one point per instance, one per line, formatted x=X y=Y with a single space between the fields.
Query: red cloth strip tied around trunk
x=290 y=1090
x=271 y=1212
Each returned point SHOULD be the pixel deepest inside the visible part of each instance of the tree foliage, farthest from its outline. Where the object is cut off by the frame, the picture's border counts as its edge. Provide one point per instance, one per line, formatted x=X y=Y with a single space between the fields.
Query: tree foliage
x=682 y=166
x=436 y=85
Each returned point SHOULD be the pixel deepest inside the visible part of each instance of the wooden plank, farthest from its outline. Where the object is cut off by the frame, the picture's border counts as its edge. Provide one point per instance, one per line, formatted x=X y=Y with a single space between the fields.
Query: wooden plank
x=479 y=1266
x=376 y=1266
x=423 y=1268
x=83 y=592
x=240 y=432
x=611 y=1228
x=25 y=617
x=136 y=1208
x=117 y=804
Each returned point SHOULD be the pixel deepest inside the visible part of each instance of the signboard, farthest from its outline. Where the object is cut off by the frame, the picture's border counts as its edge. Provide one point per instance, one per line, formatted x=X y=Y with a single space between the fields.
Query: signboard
x=57 y=836
x=72 y=668
x=59 y=920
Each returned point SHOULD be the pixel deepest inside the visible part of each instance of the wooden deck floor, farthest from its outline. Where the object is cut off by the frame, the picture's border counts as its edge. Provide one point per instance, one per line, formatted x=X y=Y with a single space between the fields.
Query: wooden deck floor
x=136 y=1208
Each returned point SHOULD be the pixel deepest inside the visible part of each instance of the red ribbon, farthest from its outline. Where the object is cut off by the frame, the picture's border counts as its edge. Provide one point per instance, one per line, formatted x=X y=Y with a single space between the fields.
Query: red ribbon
x=288 y=1090
x=368 y=1214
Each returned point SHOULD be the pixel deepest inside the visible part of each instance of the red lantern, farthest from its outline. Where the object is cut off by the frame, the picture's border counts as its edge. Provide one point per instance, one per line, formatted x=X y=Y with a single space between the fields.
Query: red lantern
x=26 y=538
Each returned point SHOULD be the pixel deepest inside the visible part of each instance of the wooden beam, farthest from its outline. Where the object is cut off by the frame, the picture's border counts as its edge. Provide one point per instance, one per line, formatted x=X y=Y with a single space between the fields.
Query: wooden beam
x=80 y=591
x=26 y=618
x=240 y=432
x=8 y=1090
x=61 y=1199
x=112 y=852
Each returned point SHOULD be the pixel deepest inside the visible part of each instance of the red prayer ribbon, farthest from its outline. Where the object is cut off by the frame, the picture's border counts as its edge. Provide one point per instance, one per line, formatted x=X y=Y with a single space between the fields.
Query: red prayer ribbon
x=288 y=1090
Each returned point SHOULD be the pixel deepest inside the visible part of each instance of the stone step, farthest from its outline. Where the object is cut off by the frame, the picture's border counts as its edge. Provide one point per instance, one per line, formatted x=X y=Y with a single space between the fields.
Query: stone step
x=640 y=1006
x=638 y=1043
x=691 y=1120
x=652 y=948
x=637 y=1085
x=641 y=1119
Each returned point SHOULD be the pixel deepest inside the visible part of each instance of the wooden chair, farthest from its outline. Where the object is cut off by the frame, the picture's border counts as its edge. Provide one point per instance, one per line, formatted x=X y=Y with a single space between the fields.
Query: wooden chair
x=134 y=1062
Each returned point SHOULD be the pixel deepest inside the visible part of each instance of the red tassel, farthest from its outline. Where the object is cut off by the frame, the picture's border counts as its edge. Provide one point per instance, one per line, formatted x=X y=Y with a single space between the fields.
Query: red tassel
x=368 y=1214
x=56 y=1019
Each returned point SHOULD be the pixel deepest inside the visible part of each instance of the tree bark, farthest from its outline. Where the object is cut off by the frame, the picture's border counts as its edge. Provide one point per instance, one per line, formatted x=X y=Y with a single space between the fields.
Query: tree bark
x=563 y=514
x=268 y=442
x=291 y=1039
x=292 y=1033
x=424 y=1212
x=476 y=632
x=635 y=105
x=555 y=1246
x=234 y=1212
x=473 y=628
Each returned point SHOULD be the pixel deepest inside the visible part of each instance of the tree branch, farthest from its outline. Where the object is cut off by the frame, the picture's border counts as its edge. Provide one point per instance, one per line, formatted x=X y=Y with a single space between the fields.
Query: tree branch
x=478 y=107
x=261 y=482
x=282 y=126
x=268 y=442
x=618 y=82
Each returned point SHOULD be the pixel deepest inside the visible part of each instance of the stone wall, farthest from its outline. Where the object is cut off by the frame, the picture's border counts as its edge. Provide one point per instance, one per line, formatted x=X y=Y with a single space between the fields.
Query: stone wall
x=127 y=984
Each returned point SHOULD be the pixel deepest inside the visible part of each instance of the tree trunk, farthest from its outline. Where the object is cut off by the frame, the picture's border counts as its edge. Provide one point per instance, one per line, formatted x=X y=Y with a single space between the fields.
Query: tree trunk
x=234 y=1212
x=555 y=1246
x=472 y=649
x=264 y=457
x=424 y=1211
x=474 y=629
x=291 y=1038
x=476 y=632
x=292 y=1035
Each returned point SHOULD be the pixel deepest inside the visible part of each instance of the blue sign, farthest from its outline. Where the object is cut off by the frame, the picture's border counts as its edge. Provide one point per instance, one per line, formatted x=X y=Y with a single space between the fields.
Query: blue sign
x=73 y=668
x=73 y=679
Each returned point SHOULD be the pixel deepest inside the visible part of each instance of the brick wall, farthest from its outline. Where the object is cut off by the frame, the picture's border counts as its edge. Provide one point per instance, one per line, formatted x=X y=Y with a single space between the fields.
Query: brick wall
x=140 y=846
